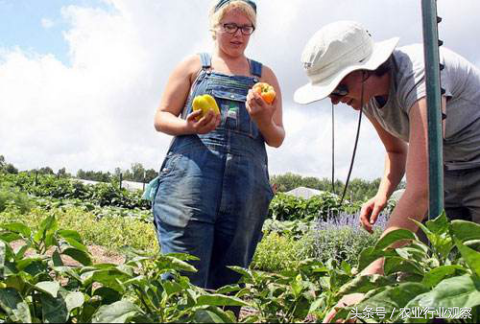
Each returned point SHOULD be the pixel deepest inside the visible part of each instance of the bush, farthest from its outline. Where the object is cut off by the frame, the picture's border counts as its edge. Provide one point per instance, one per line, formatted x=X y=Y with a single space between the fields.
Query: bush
x=275 y=253
x=287 y=207
x=15 y=199
x=342 y=238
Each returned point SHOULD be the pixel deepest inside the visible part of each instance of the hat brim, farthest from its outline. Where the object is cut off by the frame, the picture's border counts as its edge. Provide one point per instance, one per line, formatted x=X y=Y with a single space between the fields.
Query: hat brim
x=312 y=92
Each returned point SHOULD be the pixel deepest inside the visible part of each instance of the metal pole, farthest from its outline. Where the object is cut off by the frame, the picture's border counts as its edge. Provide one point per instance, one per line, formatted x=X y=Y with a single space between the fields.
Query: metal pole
x=434 y=103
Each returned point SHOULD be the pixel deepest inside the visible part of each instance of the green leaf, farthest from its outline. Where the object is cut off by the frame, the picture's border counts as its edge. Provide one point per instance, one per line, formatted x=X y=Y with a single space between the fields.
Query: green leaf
x=363 y=284
x=422 y=227
x=70 y=234
x=57 y=260
x=320 y=302
x=10 y=237
x=392 y=298
x=20 y=254
x=439 y=224
x=397 y=264
x=54 y=310
x=371 y=254
x=108 y=295
x=220 y=300
x=297 y=286
x=247 y=274
x=434 y=276
x=49 y=287
x=171 y=287
x=462 y=291
x=438 y=235
x=168 y=263
x=471 y=257
x=228 y=289
x=183 y=256
x=74 y=300
x=208 y=316
x=473 y=244
x=75 y=244
x=49 y=224
x=347 y=268
x=111 y=278
x=465 y=230
x=18 y=228
x=394 y=236
x=118 y=312
x=78 y=255
x=50 y=240
x=12 y=303
x=15 y=282
x=32 y=266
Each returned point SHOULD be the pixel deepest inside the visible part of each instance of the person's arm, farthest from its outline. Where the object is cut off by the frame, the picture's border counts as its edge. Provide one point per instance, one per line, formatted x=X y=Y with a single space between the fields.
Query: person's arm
x=414 y=202
x=174 y=99
x=268 y=117
x=394 y=170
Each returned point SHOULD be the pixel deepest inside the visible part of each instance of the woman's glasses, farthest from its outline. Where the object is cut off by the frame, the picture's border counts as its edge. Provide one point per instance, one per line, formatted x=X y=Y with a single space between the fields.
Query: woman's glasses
x=231 y=28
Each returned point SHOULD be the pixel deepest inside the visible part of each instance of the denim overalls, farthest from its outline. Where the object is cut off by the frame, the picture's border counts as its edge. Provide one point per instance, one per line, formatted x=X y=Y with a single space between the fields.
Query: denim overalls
x=213 y=189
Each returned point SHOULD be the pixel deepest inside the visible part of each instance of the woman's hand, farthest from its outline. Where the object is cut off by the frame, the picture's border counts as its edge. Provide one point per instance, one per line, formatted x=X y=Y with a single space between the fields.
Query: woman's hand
x=370 y=211
x=347 y=300
x=204 y=125
x=259 y=110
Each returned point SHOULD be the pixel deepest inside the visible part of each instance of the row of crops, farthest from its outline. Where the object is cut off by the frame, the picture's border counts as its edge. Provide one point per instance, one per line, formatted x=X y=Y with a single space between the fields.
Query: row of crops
x=308 y=259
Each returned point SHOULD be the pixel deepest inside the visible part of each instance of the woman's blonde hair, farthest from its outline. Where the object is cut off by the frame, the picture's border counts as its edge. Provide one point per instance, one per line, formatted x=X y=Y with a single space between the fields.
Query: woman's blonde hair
x=217 y=16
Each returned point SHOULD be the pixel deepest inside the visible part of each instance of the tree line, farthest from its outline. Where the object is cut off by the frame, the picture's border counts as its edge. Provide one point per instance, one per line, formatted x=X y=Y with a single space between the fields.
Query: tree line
x=358 y=189
x=136 y=173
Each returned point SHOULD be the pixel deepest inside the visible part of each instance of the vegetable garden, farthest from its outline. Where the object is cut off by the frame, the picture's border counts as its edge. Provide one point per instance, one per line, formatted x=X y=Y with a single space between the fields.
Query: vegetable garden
x=308 y=259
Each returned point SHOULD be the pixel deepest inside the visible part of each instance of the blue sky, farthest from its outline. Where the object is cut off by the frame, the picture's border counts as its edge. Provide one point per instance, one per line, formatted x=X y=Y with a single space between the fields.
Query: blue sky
x=21 y=25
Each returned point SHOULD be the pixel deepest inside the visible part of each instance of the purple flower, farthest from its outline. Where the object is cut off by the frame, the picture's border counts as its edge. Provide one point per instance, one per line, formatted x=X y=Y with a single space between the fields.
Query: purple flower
x=351 y=221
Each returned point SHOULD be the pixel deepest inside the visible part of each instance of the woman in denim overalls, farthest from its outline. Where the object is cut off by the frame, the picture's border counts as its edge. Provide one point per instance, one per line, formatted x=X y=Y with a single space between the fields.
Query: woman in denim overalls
x=213 y=189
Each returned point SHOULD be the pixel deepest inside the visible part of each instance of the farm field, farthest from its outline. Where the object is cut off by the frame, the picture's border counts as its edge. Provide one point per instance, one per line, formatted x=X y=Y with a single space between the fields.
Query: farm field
x=71 y=252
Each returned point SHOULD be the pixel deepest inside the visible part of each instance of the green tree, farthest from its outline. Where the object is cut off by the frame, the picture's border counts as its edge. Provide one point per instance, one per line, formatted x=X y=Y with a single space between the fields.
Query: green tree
x=9 y=168
x=46 y=170
x=138 y=172
x=150 y=174
x=62 y=173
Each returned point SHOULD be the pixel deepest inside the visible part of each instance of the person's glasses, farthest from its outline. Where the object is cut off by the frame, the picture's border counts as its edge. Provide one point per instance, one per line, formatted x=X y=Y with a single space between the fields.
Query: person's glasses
x=340 y=91
x=232 y=28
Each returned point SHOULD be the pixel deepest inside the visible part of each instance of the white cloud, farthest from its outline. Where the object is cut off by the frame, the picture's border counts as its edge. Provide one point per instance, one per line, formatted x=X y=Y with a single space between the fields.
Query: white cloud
x=97 y=112
x=47 y=23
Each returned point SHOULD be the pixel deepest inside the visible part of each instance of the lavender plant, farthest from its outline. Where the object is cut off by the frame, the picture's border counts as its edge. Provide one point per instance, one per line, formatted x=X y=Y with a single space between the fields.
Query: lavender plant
x=342 y=238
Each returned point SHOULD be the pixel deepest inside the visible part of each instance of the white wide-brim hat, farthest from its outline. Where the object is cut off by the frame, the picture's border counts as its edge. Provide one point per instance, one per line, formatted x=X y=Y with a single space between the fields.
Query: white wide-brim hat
x=336 y=50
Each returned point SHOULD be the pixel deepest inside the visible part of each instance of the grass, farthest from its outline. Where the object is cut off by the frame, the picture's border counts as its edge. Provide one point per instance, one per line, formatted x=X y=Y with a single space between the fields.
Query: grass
x=114 y=233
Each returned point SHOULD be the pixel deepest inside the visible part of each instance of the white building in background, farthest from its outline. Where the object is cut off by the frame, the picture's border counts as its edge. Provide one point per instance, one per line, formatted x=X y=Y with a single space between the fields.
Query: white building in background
x=303 y=192
x=129 y=185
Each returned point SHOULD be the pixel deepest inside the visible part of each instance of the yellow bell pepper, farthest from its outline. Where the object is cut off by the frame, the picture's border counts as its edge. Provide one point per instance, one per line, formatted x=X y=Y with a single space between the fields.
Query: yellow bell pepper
x=205 y=103
x=266 y=91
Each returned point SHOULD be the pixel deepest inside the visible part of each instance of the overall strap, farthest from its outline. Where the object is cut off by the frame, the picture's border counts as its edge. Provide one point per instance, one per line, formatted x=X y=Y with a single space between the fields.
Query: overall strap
x=206 y=61
x=256 y=68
